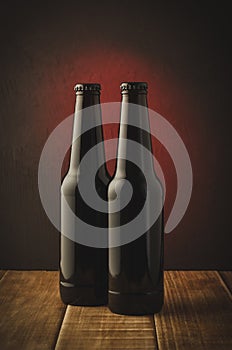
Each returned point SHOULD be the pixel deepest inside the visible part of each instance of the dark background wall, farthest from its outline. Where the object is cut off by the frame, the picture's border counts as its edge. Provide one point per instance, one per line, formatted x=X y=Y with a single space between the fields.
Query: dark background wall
x=181 y=50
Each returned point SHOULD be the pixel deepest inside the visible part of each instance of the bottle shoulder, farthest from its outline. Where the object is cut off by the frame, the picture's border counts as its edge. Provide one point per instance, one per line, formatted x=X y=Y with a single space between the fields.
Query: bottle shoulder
x=150 y=183
x=69 y=184
x=73 y=178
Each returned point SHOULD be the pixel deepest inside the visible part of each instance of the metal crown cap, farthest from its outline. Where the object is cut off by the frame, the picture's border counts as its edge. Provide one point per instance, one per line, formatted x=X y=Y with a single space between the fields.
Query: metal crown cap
x=131 y=86
x=87 y=87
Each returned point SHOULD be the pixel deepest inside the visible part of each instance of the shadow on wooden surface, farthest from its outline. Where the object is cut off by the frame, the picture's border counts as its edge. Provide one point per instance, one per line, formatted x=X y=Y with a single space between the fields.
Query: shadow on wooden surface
x=196 y=315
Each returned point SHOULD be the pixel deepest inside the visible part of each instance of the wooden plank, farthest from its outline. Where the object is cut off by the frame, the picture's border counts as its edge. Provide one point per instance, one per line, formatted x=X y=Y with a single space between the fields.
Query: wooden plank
x=86 y=328
x=31 y=310
x=2 y=273
x=196 y=314
x=227 y=278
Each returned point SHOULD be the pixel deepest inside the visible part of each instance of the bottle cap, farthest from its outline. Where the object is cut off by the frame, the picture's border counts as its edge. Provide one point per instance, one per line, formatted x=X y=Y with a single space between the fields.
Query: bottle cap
x=87 y=87
x=131 y=86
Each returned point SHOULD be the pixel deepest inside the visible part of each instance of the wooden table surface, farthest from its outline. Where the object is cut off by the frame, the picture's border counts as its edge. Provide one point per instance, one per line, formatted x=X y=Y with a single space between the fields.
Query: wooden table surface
x=197 y=314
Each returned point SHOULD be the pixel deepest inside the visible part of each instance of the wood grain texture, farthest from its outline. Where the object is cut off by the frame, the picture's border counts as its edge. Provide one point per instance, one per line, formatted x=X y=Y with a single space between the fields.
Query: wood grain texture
x=31 y=310
x=86 y=328
x=2 y=273
x=227 y=278
x=196 y=314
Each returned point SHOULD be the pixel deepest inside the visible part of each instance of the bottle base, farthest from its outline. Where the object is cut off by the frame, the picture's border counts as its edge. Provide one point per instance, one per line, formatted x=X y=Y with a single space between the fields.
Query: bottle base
x=81 y=295
x=135 y=304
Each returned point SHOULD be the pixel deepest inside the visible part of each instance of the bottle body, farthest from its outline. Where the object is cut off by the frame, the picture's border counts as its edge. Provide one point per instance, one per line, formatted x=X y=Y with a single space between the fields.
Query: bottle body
x=136 y=268
x=83 y=269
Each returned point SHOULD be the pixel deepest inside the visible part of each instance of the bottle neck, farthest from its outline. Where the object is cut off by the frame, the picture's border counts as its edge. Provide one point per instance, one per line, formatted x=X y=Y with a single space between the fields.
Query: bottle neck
x=133 y=125
x=87 y=130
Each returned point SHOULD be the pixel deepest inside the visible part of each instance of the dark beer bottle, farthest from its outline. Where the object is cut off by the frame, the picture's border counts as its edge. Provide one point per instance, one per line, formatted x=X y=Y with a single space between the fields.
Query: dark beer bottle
x=136 y=268
x=84 y=269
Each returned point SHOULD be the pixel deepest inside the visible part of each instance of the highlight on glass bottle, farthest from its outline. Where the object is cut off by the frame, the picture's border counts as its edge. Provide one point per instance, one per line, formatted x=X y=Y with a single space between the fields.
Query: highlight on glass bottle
x=119 y=220
x=125 y=266
x=135 y=268
x=84 y=269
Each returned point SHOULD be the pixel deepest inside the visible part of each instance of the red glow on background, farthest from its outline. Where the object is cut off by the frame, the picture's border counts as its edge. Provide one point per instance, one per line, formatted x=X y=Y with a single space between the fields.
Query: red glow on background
x=110 y=66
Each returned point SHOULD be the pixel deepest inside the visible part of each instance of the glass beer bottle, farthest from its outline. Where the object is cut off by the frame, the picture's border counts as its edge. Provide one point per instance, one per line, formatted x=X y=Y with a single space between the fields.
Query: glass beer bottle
x=136 y=267
x=84 y=269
